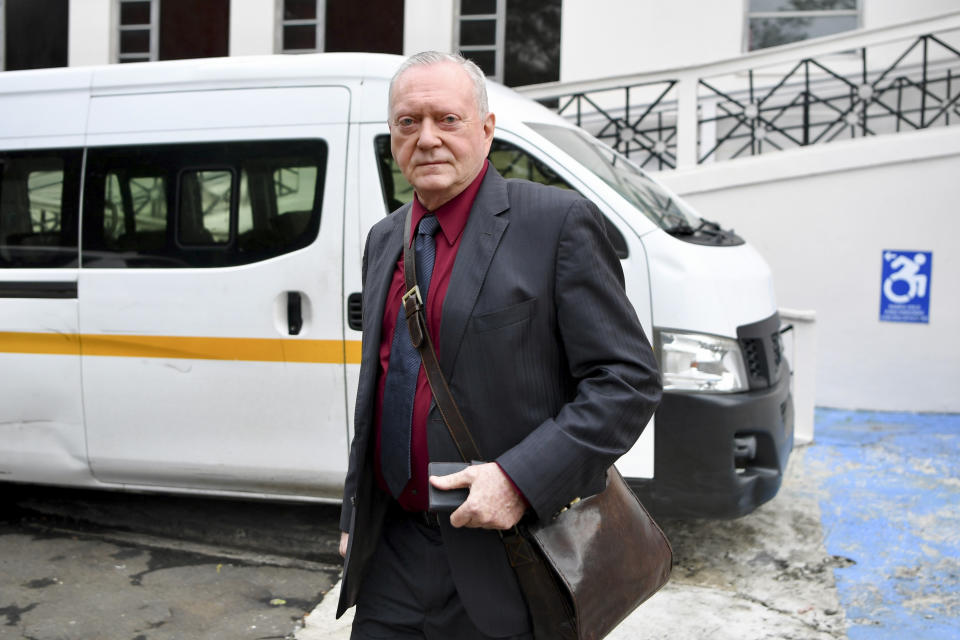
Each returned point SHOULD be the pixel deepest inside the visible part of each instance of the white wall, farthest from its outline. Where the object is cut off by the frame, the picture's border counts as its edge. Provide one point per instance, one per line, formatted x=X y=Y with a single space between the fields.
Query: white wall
x=91 y=28
x=427 y=26
x=822 y=216
x=602 y=38
x=612 y=37
x=881 y=13
x=252 y=27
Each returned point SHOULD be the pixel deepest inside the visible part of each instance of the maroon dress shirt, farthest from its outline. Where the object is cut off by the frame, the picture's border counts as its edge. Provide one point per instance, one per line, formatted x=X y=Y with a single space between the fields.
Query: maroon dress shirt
x=453 y=218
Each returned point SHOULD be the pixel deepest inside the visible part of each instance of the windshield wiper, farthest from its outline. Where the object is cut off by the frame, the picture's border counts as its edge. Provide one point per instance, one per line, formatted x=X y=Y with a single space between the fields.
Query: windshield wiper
x=681 y=228
x=709 y=227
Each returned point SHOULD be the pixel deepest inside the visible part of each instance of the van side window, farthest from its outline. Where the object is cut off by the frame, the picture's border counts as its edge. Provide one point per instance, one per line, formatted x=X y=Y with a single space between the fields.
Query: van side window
x=396 y=190
x=204 y=211
x=39 y=192
x=132 y=203
x=201 y=205
x=295 y=188
x=509 y=160
x=514 y=162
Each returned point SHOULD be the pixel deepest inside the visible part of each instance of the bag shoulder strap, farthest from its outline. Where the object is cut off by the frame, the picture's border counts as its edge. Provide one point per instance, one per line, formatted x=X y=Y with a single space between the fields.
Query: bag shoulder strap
x=551 y=613
x=417 y=326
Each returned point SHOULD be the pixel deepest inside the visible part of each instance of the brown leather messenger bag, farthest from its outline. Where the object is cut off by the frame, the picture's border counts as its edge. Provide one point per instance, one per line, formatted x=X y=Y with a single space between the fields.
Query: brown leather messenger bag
x=595 y=561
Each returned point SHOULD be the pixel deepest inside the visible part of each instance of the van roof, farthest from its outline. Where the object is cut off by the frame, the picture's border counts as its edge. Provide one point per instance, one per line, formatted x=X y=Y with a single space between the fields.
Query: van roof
x=372 y=71
x=275 y=70
x=236 y=71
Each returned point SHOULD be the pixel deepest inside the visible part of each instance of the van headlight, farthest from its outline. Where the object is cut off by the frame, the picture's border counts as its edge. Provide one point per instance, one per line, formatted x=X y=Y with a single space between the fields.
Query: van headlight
x=700 y=362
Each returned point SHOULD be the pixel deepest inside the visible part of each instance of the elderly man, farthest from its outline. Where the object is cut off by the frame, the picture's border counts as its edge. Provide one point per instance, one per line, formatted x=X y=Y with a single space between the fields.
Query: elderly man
x=542 y=350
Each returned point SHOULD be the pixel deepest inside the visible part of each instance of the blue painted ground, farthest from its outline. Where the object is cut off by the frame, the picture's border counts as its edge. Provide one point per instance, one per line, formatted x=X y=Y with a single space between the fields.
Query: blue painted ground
x=891 y=503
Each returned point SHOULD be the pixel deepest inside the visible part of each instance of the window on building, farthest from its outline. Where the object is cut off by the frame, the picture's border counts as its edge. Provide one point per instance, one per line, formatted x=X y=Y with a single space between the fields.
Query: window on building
x=306 y=26
x=532 y=46
x=516 y=42
x=373 y=25
x=301 y=25
x=191 y=29
x=33 y=34
x=480 y=34
x=172 y=29
x=775 y=22
x=138 y=30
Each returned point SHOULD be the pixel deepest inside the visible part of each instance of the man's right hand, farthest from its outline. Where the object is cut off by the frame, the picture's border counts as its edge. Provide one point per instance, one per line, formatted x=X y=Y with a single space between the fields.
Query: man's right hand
x=344 y=538
x=493 y=502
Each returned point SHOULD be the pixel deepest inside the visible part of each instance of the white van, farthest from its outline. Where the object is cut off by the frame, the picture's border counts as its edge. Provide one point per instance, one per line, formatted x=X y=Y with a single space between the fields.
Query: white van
x=180 y=249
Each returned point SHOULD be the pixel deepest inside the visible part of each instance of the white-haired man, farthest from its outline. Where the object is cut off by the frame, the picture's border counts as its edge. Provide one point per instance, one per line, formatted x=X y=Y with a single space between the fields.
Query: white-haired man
x=542 y=350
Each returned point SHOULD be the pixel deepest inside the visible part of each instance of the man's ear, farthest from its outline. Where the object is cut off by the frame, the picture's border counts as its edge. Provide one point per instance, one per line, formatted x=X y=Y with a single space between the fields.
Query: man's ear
x=489 y=124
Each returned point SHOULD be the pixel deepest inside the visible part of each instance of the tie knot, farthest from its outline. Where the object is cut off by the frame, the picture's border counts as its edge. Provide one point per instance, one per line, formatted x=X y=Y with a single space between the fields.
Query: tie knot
x=428 y=225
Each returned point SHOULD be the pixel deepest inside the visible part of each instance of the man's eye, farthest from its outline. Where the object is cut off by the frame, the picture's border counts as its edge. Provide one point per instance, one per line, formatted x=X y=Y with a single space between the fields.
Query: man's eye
x=451 y=119
x=405 y=122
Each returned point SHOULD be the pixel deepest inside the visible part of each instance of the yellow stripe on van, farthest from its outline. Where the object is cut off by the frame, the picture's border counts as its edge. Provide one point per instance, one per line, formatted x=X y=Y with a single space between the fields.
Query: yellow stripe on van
x=49 y=343
x=187 y=347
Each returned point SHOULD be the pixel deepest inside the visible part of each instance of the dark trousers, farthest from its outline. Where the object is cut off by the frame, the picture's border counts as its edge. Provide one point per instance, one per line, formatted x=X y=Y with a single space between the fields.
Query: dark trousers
x=409 y=591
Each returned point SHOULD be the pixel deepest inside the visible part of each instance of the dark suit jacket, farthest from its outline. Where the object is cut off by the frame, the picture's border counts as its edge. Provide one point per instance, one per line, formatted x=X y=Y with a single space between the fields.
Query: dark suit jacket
x=543 y=353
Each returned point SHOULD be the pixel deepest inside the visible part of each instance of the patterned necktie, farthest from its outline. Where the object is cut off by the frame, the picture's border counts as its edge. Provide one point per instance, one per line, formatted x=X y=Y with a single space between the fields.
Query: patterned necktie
x=402 y=372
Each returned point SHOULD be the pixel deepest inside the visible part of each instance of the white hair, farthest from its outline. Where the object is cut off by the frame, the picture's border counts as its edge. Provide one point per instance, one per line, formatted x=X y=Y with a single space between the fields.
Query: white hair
x=427 y=58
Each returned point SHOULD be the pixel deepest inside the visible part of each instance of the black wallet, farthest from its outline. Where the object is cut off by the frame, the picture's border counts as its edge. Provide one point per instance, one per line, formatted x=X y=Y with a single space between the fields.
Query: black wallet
x=445 y=501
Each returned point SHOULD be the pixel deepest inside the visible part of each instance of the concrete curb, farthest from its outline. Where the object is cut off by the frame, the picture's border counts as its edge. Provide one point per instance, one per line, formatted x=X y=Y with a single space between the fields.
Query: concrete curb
x=322 y=624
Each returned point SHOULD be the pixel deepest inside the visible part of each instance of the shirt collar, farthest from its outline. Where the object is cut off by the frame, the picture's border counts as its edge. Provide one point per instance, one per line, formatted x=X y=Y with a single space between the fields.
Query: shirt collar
x=453 y=214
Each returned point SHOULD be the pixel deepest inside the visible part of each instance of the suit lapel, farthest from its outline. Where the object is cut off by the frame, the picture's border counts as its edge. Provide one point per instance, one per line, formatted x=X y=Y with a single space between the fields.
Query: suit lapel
x=481 y=237
x=380 y=266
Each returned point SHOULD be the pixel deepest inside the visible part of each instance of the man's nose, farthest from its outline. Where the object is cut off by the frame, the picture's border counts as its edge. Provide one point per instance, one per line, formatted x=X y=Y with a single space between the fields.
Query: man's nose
x=429 y=134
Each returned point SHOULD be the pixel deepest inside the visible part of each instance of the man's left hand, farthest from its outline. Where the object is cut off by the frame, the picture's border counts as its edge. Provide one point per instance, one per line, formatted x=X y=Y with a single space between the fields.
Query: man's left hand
x=493 y=502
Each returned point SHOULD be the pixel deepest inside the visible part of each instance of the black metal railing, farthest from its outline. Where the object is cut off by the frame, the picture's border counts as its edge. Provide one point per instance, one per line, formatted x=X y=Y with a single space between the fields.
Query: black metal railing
x=813 y=103
x=817 y=100
x=644 y=131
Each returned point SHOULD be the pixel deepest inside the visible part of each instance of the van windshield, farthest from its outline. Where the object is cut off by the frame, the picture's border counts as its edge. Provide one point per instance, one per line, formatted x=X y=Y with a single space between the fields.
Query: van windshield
x=626 y=178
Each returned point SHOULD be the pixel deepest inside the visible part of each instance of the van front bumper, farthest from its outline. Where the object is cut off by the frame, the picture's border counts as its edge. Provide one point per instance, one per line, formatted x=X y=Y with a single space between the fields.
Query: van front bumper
x=718 y=455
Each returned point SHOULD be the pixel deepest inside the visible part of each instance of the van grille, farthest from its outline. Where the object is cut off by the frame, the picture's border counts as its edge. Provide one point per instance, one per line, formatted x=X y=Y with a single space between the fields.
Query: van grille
x=777 y=348
x=762 y=351
x=753 y=355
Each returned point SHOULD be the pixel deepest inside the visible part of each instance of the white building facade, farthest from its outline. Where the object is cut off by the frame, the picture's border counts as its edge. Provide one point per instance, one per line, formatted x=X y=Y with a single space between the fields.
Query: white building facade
x=517 y=41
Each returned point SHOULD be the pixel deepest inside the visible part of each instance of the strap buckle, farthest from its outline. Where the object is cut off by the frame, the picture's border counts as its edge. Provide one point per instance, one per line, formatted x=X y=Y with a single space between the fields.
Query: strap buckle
x=412 y=303
x=415 y=291
x=412 y=306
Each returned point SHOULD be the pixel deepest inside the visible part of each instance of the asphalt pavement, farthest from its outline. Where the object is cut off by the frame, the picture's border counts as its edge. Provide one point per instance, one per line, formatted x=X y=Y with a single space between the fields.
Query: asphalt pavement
x=863 y=542
x=96 y=565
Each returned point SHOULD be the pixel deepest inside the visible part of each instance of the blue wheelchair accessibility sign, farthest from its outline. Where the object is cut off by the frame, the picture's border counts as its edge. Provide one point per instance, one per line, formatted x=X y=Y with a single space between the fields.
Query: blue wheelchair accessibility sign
x=905 y=286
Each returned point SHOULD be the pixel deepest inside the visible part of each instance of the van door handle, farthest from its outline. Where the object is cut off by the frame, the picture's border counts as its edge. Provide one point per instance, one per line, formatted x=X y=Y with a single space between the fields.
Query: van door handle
x=355 y=311
x=294 y=313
